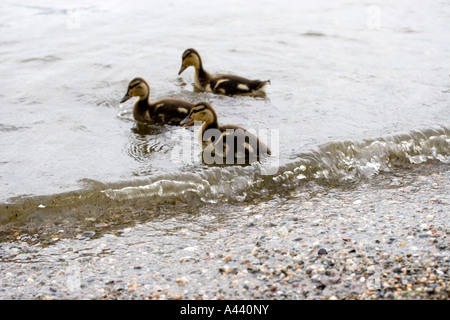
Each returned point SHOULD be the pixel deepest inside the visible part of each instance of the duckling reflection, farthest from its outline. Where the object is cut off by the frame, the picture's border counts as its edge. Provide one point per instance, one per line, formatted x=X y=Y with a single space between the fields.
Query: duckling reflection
x=231 y=143
x=227 y=84
x=149 y=147
x=164 y=111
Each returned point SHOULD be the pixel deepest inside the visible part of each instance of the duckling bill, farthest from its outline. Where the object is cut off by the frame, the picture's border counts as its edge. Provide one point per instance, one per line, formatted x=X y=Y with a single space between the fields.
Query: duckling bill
x=230 y=142
x=227 y=84
x=164 y=111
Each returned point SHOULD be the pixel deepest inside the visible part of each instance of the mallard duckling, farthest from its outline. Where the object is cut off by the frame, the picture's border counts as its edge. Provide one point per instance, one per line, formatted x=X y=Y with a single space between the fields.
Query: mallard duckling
x=232 y=142
x=223 y=83
x=169 y=111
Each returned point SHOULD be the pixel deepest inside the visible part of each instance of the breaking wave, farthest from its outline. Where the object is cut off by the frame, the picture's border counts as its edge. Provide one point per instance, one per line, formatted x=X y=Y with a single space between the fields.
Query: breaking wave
x=334 y=163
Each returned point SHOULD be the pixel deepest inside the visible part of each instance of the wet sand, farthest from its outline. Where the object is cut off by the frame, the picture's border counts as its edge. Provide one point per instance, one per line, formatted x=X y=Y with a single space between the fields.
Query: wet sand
x=384 y=238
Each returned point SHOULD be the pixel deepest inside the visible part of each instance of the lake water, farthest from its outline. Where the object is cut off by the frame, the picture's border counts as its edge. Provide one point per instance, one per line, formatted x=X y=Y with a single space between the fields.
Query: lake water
x=356 y=89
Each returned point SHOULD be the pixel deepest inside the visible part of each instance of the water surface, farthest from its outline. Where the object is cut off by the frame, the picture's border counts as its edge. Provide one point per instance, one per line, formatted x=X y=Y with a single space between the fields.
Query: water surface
x=356 y=89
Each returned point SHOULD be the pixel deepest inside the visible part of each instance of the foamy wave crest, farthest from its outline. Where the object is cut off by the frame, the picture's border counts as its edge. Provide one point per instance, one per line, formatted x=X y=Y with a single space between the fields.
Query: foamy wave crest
x=335 y=162
x=343 y=161
x=209 y=185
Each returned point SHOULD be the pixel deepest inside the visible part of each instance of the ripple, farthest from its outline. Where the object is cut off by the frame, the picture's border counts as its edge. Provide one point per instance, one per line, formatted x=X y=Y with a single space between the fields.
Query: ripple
x=10 y=128
x=44 y=60
x=146 y=141
x=313 y=34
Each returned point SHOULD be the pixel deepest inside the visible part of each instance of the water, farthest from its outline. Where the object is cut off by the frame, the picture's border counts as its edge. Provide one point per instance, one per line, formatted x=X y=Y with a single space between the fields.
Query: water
x=356 y=90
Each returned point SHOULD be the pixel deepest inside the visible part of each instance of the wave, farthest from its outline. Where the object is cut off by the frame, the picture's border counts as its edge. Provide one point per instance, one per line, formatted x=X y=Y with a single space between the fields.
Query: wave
x=334 y=163
x=343 y=161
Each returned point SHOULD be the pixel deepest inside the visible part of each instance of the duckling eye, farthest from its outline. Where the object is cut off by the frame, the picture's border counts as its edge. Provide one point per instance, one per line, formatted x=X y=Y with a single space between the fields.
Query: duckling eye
x=200 y=108
x=134 y=86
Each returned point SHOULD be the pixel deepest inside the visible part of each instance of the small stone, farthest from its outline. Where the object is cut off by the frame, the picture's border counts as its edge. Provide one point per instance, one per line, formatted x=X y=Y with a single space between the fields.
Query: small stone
x=322 y=251
x=102 y=225
x=371 y=269
x=283 y=232
x=223 y=269
x=181 y=281
x=185 y=259
x=190 y=249
x=88 y=234
x=429 y=289
x=253 y=269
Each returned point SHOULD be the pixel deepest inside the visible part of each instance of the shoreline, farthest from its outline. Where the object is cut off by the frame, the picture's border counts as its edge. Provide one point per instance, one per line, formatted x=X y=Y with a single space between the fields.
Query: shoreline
x=386 y=238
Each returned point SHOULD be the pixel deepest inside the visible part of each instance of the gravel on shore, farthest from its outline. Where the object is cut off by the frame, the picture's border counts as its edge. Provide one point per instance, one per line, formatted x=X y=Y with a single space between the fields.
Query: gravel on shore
x=385 y=238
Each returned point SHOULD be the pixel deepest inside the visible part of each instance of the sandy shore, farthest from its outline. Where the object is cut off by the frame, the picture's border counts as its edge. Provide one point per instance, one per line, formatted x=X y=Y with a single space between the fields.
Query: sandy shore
x=385 y=238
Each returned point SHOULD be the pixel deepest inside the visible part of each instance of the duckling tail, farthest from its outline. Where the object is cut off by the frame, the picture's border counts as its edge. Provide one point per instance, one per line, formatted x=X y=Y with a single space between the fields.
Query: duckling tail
x=263 y=84
x=260 y=86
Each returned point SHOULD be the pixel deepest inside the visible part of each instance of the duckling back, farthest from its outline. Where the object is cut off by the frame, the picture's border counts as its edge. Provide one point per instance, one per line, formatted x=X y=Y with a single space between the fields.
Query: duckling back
x=228 y=84
x=232 y=144
x=231 y=84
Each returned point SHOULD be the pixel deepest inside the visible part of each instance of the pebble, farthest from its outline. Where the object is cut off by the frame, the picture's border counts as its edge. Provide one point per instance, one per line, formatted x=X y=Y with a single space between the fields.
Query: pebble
x=305 y=244
x=88 y=234
x=283 y=232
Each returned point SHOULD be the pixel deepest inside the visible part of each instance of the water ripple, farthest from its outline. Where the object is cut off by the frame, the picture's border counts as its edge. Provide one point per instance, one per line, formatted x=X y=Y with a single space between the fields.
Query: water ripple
x=10 y=128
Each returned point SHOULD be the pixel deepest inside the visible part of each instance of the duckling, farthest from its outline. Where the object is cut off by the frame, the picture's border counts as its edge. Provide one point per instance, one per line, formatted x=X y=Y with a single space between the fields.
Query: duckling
x=170 y=111
x=232 y=142
x=223 y=83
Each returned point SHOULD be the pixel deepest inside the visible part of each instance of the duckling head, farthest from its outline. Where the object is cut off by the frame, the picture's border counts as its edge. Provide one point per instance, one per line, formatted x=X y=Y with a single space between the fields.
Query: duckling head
x=202 y=111
x=190 y=58
x=137 y=88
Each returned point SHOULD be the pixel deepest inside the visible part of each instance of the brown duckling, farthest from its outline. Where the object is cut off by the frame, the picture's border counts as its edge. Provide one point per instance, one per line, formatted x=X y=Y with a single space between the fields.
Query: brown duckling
x=164 y=111
x=232 y=142
x=223 y=83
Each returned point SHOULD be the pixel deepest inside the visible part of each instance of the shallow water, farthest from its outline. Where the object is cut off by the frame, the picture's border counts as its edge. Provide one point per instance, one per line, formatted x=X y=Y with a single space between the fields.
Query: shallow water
x=356 y=90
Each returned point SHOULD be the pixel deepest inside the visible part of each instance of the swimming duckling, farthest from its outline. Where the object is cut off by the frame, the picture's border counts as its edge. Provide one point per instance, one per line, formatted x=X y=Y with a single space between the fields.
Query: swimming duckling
x=223 y=83
x=232 y=142
x=170 y=111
